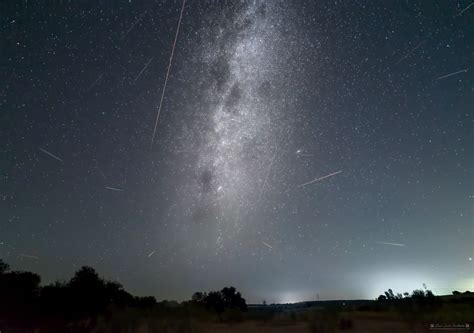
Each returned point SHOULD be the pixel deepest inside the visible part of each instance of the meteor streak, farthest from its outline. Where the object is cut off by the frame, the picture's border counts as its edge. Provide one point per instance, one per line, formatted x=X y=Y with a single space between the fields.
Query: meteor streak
x=28 y=256
x=267 y=245
x=462 y=11
x=51 y=154
x=143 y=69
x=95 y=82
x=167 y=73
x=320 y=178
x=133 y=25
x=114 y=189
x=455 y=73
x=392 y=244
x=409 y=53
x=266 y=176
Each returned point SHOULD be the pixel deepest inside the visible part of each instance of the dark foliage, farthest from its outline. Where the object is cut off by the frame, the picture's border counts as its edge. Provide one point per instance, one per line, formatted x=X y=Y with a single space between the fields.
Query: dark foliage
x=219 y=301
x=4 y=267
x=86 y=300
x=19 y=296
x=75 y=304
x=416 y=295
x=424 y=298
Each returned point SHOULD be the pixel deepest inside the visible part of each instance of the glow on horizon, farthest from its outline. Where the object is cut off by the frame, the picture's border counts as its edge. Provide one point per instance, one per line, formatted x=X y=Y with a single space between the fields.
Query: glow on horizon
x=400 y=281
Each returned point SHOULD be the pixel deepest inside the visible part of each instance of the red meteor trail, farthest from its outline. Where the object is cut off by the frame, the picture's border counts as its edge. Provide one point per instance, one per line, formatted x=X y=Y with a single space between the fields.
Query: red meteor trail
x=167 y=73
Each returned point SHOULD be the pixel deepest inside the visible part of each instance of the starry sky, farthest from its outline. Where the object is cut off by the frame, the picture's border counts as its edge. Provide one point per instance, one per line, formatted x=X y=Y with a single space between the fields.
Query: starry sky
x=304 y=149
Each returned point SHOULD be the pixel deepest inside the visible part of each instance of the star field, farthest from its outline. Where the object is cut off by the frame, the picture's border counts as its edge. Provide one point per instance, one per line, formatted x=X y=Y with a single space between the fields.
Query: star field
x=302 y=148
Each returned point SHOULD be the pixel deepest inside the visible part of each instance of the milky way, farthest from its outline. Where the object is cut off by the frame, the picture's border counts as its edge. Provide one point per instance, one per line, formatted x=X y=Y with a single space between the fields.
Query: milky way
x=237 y=151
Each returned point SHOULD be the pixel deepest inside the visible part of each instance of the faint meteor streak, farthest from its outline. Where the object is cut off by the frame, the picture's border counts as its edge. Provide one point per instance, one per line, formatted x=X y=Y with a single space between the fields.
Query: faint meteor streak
x=462 y=11
x=300 y=152
x=320 y=178
x=28 y=256
x=179 y=151
x=95 y=82
x=167 y=73
x=151 y=253
x=143 y=69
x=172 y=206
x=101 y=172
x=114 y=189
x=392 y=244
x=266 y=176
x=409 y=53
x=451 y=74
x=51 y=154
x=267 y=245
x=133 y=25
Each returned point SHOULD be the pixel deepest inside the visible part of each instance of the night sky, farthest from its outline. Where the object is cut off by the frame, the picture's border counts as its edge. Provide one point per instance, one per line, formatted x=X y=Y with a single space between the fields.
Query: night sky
x=304 y=149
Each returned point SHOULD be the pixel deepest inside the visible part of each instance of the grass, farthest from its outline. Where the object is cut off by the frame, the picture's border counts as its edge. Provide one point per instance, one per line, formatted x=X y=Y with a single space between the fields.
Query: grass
x=188 y=318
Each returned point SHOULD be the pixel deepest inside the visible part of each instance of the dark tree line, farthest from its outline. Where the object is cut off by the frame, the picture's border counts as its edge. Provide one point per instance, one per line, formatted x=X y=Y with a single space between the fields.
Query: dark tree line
x=76 y=306
x=219 y=301
x=25 y=305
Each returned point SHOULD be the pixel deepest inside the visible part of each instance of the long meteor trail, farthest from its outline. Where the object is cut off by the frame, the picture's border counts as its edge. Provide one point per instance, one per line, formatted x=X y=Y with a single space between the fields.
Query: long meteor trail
x=51 y=154
x=114 y=189
x=167 y=73
x=320 y=178
x=451 y=74
x=391 y=244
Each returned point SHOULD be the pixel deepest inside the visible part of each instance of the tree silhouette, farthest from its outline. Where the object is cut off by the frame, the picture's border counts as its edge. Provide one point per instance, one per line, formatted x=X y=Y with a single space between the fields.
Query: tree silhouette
x=233 y=299
x=214 y=300
x=4 y=267
x=227 y=298
x=80 y=304
x=198 y=296
x=389 y=294
x=418 y=294
x=19 y=292
x=88 y=292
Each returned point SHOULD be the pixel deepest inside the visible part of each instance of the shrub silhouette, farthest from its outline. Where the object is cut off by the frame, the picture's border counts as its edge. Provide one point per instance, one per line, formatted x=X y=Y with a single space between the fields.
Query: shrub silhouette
x=226 y=299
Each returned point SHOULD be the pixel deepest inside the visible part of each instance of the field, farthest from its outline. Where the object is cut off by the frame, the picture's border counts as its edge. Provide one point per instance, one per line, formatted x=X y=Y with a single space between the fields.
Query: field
x=368 y=318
